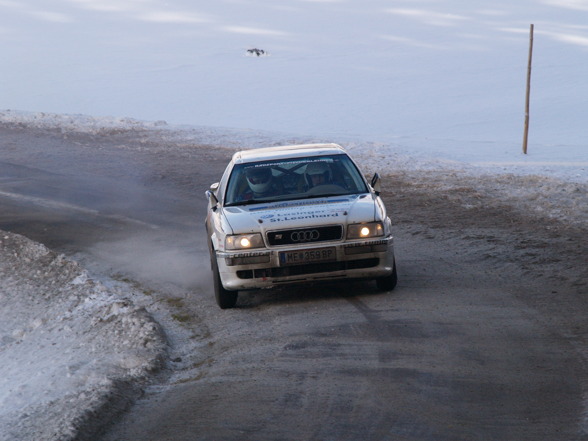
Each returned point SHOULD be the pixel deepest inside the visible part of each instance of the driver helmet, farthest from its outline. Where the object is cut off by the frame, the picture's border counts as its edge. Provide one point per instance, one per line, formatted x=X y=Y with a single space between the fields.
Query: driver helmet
x=259 y=179
x=318 y=173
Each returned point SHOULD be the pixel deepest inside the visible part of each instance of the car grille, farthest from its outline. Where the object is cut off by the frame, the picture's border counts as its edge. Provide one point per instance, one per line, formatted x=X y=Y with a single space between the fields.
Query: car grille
x=305 y=235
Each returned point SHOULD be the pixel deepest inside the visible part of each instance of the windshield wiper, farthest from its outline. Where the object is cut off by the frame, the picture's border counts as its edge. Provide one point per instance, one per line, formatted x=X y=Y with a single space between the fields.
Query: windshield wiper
x=247 y=202
x=325 y=195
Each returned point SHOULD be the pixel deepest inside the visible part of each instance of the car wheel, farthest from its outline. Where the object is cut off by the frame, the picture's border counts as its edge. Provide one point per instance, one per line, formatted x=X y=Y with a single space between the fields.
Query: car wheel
x=388 y=283
x=224 y=298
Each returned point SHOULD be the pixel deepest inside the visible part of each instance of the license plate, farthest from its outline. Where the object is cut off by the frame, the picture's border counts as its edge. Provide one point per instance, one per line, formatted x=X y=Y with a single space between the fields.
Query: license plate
x=308 y=256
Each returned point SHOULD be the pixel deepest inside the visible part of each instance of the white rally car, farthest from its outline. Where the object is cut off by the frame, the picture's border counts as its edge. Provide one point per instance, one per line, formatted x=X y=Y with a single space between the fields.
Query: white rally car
x=292 y=214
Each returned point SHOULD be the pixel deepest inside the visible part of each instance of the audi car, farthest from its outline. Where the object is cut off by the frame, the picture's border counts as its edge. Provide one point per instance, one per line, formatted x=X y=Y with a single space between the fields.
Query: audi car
x=296 y=214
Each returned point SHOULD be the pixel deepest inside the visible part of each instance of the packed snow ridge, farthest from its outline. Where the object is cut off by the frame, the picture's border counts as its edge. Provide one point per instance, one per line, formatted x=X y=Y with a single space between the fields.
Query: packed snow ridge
x=72 y=352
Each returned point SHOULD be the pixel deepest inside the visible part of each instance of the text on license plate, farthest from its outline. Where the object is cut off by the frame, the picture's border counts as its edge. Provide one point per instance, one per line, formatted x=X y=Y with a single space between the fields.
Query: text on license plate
x=308 y=256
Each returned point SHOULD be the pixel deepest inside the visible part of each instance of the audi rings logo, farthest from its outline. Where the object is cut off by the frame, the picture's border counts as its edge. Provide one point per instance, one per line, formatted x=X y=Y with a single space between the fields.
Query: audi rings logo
x=304 y=235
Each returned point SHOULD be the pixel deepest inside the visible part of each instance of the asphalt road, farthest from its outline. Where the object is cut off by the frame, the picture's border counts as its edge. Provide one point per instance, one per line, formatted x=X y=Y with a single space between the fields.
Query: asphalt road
x=484 y=338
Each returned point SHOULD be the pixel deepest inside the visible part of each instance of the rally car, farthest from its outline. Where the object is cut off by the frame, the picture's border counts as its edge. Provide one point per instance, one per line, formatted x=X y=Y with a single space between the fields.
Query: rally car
x=295 y=214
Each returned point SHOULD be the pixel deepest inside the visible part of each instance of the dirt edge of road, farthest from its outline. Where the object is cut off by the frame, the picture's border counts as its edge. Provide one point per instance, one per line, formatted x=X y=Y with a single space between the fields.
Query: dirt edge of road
x=539 y=245
x=540 y=255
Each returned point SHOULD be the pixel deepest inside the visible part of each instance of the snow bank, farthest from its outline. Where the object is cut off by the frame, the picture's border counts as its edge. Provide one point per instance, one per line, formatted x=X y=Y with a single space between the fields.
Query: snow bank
x=71 y=351
x=77 y=123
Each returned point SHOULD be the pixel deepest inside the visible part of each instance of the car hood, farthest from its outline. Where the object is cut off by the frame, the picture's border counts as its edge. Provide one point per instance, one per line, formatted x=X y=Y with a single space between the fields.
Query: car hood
x=301 y=213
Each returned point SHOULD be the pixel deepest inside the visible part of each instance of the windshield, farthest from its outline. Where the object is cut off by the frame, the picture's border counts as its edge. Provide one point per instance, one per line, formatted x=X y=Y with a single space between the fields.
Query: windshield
x=298 y=178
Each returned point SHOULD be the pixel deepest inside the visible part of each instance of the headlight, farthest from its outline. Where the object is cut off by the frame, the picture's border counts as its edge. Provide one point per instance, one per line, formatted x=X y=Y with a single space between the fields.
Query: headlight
x=364 y=231
x=244 y=241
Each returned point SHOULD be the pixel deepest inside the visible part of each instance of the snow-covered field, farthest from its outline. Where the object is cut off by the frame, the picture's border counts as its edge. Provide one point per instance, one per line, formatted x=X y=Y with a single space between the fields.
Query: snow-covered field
x=412 y=87
x=426 y=74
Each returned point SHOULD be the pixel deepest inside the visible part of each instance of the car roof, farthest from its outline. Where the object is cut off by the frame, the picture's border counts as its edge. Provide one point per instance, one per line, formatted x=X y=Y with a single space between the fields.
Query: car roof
x=287 y=151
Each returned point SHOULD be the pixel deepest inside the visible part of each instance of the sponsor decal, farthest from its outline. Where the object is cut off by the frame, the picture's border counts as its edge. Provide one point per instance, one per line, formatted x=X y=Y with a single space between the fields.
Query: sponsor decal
x=304 y=215
x=371 y=242
x=304 y=210
x=249 y=254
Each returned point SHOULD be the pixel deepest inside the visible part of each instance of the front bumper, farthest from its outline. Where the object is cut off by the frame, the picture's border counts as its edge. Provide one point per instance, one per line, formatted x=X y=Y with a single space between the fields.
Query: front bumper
x=265 y=268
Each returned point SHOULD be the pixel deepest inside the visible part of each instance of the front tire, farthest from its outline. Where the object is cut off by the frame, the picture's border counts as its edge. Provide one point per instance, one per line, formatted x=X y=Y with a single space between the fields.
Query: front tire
x=225 y=299
x=388 y=283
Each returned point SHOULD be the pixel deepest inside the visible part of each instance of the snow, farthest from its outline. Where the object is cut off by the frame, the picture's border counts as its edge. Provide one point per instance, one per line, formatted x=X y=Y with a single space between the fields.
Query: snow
x=412 y=87
x=423 y=72
x=68 y=346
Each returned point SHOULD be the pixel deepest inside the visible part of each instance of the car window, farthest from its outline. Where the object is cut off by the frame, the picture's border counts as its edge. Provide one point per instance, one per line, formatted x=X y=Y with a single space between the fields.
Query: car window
x=287 y=179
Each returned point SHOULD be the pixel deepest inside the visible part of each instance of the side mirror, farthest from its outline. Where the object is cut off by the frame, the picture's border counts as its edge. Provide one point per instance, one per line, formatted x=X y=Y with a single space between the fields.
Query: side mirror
x=376 y=184
x=210 y=194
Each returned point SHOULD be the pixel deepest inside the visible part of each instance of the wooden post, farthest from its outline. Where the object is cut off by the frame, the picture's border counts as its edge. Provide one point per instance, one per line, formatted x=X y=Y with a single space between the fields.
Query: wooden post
x=528 y=95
